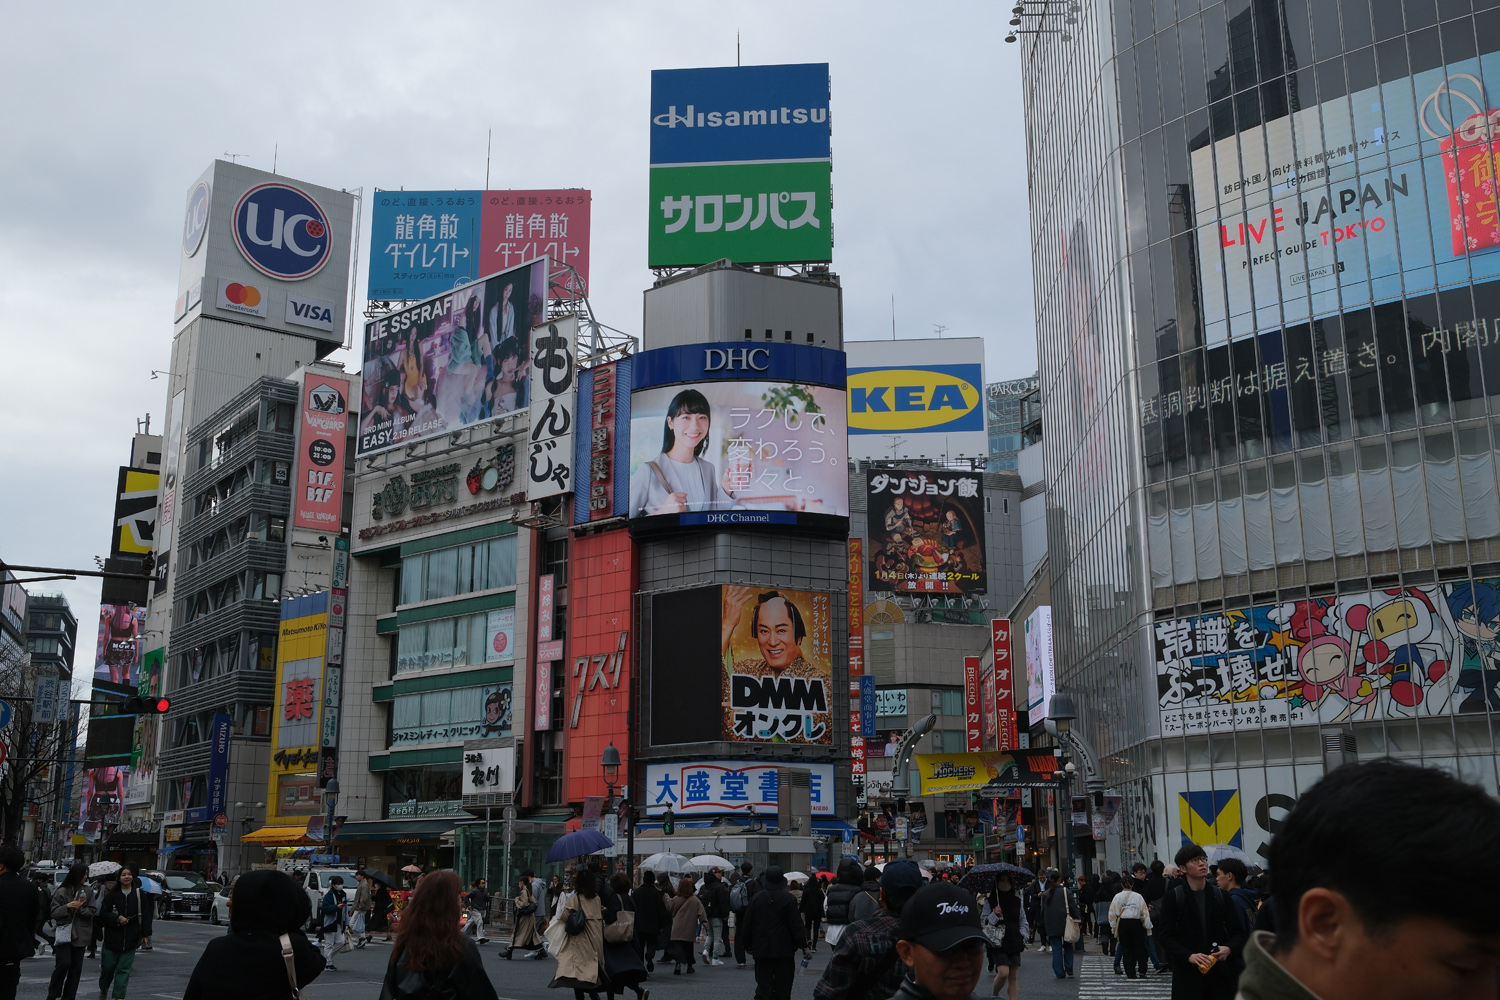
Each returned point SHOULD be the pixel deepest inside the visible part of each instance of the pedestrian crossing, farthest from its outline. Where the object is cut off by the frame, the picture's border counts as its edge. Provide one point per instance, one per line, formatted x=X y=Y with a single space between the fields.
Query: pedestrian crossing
x=1097 y=979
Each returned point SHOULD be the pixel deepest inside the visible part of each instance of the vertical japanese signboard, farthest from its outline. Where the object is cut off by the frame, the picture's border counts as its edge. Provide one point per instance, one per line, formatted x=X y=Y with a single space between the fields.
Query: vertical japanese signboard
x=167 y=520
x=319 y=493
x=987 y=706
x=424 y=243
x=602 y=443
x=218 y=764
x=553 y=393
x=862 y=708
x=740 y=165
x=546 y=588
x=973 y=730
x=1005 y=689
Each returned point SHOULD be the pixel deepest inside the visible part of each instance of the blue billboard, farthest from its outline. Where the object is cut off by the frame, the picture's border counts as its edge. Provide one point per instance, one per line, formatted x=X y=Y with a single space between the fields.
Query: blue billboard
x=423 y=243
x=740 y=113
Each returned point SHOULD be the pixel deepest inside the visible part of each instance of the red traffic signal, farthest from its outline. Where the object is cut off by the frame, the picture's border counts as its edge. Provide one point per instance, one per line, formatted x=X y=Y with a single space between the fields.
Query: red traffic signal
x=147 y=706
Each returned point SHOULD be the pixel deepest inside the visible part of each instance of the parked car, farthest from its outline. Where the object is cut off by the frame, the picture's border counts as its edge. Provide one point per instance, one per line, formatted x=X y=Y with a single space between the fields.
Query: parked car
x=218 y=912
x=185 y=895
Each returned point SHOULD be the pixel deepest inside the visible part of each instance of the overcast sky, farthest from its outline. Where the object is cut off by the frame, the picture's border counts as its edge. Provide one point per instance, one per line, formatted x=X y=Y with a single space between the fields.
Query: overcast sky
x=114 y=110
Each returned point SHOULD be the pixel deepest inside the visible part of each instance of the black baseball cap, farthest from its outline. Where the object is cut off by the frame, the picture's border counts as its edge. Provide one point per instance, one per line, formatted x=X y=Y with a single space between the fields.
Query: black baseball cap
x=940 y=916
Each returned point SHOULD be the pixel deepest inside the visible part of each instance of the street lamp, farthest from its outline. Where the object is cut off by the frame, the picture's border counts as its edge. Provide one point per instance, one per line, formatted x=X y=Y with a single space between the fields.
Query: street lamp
x=611 y=763
x=1062 y=713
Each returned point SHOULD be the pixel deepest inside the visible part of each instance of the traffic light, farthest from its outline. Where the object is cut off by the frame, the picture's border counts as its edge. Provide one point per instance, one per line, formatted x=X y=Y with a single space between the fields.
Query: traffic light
x=146 y=706
x=666 y=823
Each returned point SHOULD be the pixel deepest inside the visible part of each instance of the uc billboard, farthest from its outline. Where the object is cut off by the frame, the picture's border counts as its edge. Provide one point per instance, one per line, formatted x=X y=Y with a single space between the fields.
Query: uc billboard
x=916 y=399
x=740 y=165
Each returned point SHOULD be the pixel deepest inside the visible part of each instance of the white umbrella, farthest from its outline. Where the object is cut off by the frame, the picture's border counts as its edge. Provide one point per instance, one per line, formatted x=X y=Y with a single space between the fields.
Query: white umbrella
x=1218 y=852
x=926 y=872
x=704 y=862
x=103 y=868
x=672 y=864
x=796 y=877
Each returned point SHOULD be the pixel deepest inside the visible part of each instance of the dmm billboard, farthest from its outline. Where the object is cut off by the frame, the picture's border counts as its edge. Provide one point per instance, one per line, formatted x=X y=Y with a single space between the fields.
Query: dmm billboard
x=740 y=165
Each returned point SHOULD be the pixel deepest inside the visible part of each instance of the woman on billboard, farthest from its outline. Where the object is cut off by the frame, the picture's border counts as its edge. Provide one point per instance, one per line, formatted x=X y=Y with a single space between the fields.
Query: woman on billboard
x=679 y=479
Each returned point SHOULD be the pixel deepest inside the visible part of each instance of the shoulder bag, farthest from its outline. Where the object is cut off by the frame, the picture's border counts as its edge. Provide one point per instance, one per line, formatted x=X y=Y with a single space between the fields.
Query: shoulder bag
x=1071 y=931
x=622 y=930
x=291 y=966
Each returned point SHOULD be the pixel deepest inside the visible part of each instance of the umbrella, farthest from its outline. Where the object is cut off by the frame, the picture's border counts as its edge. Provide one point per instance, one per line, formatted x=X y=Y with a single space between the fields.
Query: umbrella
x=796 y=877
x=578 y=844
x=103 y=868
x=926 y=873
x=413 y=869
x=148 y=885
x=1218 y=852
x=703 y=862
x=379 y=876
x=672 y=864
x=982 y=877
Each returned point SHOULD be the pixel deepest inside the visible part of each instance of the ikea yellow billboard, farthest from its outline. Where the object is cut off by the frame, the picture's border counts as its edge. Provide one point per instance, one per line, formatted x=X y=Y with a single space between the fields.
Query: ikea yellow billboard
x=916 y=399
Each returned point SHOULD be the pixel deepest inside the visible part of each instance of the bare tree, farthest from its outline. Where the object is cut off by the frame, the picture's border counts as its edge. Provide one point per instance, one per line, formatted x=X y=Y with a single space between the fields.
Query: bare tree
x=36 y=753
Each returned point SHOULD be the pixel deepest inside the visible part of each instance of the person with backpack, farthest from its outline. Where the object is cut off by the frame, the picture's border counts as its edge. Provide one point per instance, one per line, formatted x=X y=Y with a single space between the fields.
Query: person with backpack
x=739 y=902
x=1200 y=930
x=716 y=903
x=866 y=903
x=849 y=883
x=1130 y=920
x=332 y=910
x=811 y=908
x=432 y=956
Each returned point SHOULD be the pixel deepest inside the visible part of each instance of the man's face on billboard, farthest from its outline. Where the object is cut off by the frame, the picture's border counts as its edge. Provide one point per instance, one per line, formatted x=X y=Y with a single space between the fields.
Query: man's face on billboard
x=776 y=634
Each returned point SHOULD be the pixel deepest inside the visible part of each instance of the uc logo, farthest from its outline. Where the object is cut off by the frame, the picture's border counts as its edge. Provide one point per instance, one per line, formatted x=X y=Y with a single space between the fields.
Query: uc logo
x=891 y=400
x=282 y=232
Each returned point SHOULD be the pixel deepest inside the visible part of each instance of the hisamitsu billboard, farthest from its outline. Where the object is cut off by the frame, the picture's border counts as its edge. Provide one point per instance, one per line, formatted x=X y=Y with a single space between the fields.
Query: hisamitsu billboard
x=737 y=113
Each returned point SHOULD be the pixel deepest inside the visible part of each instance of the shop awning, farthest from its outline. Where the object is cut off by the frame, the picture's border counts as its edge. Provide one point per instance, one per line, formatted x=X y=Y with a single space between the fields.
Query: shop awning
x=186 y=846
x=388 y=829
x=278 y=836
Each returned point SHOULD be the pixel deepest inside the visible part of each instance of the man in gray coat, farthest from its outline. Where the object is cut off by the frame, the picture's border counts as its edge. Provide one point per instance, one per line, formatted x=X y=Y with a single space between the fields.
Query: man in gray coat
x=1058 y=904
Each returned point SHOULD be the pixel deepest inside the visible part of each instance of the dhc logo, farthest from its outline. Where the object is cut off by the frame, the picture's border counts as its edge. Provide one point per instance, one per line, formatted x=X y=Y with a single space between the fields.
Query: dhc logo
x=282 y=231
x=892 y=400
x=721 y=359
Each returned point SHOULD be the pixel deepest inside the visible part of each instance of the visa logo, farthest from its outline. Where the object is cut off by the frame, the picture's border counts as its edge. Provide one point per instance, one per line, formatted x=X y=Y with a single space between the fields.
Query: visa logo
x=307 y=310
x=303 y=311
x=891 y=400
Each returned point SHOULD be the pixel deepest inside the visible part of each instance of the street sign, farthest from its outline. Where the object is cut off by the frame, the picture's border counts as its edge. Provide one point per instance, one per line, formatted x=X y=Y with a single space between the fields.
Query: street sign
x=6 y=714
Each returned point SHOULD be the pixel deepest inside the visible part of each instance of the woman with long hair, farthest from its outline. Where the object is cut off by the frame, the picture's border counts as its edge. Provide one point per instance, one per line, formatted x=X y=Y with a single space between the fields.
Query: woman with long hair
x=265 y=908
x=680 y=479
x=525 y=934
x=1007 y=957
x=380 y=913
x=432 y=955
x=687 y=915
x=74 y=906
x=623 y=967
x=580 y=960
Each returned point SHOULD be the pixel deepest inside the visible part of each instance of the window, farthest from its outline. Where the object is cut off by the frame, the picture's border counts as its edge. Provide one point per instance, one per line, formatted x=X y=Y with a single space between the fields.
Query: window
x=555 y=560
x=460 y=570
x=456 y=642
x=262 y=724
x=452 y=715
x=948 y=702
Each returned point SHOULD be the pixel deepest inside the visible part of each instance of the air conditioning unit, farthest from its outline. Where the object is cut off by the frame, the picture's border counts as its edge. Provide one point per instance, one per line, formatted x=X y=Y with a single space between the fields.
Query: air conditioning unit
x=794 y=801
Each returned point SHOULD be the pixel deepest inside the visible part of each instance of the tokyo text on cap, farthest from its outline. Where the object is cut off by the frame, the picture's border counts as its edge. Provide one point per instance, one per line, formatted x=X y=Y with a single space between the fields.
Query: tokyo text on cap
x=941 y=916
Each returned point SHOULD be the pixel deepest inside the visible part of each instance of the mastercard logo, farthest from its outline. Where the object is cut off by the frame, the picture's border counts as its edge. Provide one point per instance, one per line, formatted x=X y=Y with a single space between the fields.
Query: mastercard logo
x=242 y=295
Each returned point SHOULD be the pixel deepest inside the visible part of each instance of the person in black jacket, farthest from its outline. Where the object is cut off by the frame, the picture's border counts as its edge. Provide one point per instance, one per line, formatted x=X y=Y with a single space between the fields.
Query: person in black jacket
x=1200 y=930
x=122 y=917
x=18 y=913
x=811 y=906
x=845 y=887
x=753 y=888
x=246 y=963
x=715 y=896
x=650 y=916
x=774 y=935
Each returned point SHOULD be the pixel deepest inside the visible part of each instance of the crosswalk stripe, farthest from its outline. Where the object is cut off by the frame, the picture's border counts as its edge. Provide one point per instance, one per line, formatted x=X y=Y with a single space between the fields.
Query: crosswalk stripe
x=1096 y=979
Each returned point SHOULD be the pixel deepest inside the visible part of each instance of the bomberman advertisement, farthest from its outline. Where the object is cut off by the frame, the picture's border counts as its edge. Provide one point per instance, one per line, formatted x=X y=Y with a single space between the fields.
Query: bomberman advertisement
x=778 y=665
x=926 y=530
x=1386 y=654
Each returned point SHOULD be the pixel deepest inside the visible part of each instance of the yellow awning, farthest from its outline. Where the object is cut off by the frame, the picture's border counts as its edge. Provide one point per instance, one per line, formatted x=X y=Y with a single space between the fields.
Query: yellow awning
x=279 y=835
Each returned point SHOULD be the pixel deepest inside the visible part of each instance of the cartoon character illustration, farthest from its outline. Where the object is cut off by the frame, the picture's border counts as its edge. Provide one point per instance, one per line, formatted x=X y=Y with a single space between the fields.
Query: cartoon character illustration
x=1326 y=666
x=497 y=713
x=1397 y=621
x=1476 y=615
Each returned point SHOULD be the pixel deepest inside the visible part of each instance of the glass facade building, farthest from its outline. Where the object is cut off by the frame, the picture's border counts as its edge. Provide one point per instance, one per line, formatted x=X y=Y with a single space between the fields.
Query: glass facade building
x=1009 y=407
x=1266 y=248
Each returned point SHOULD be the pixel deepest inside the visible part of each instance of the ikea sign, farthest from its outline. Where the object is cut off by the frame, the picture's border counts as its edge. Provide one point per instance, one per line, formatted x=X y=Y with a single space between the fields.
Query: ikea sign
x=926 y=399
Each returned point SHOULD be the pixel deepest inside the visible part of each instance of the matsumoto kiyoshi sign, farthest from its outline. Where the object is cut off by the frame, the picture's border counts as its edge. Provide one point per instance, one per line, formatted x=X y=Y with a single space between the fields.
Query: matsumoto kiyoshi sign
x=740 y=165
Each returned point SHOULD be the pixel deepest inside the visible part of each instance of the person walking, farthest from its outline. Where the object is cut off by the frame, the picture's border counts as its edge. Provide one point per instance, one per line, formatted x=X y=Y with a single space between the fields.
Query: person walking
x=848 y=884
x=432 y=956
x=359 y=910
x=267 y=912
x=106 y=885
x=1130 y=920
x=539 y=895
x=72 y=908
x=687 y=915
x=744 y=890
x=715 y=896
x=19 y=906
x=1007 y=904
x=380 y=913
x=1109 y=888
x=1231 y=878
x=650 y=917
x=525 y=934
x=866 y=902
x=942 y=944
x=1059 y=902
x=1201 y=931
x=580 y=960
x=478 y=900
x=332 y=913
x=811 y=908
x=864 y=962
x=623 y=967
x=773 y=935
x=120 y=914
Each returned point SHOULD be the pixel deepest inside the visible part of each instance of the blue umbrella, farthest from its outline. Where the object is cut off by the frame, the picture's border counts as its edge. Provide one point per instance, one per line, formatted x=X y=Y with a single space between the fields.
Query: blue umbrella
x=149 y=885
x=578 y=844
x=982 y=878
